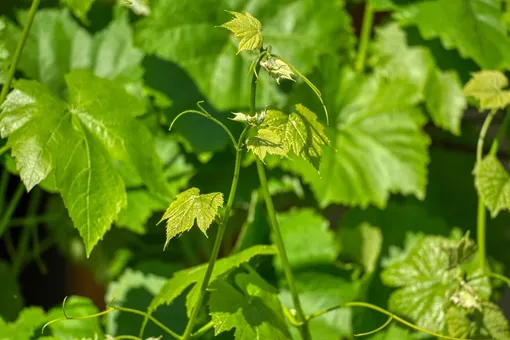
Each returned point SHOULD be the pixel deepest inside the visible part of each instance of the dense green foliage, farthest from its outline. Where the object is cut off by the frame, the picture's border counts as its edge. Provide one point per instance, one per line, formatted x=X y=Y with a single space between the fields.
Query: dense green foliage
x=309 y=182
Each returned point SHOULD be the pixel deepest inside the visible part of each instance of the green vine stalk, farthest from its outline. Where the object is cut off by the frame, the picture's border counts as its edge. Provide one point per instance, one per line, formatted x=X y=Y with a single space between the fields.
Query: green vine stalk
x=217 y=243
x=366 y=29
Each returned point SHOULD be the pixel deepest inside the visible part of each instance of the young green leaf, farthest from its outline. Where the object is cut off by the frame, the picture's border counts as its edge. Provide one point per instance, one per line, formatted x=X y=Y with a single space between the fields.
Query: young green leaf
x=300 y=132
x=190 y=276
x=266 y=141
x=139 y=7
x=361 y=244
x=493 y=184
x=426 y=284
x=252 y=308
x=188 y=206
x=495 y=322
x=248 y=27
x=461 y=252
x=80 y=8
x=489 y=88
x=77 y=143
x=473 y=27
x=24 y=328
x=277 y=68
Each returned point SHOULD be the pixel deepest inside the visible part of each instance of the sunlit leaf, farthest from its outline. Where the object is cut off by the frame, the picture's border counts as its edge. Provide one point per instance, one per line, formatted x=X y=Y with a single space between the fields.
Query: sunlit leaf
x=489 y=88
x=189 y=206
x=300 y=132
x=472 y=27
x=248 y=27
x=266 y=141
x=493 y=184
x=29 y=320
x=252 y=308
x=80 y=8
x=77 y=143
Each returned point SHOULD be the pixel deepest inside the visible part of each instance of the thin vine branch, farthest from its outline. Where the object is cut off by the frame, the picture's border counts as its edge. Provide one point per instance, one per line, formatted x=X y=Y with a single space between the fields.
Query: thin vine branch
x=9 y=211
x=19 y=50
x=217 y=243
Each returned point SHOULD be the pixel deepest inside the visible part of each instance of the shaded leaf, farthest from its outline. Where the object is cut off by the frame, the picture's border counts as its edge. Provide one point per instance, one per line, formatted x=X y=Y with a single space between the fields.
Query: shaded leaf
x=441 y=91
x=188 y=277
x=296 y=226
x=473 y=27
x=495 y=322
x=248 y=27
x=362 y=244
x=426 y=283
x=301 y=31
x=266 y=141
x=29 y=320
x=493 y=184
x=139 y=208
x=188 y=206
x=489 y=88
x=253 y=309
x=300 y=132
x=73 y=329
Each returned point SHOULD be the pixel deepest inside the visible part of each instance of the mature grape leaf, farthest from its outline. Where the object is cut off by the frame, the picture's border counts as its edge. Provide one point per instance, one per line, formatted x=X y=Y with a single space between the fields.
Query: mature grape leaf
x=493 y=184
x=378 y=134
x=140 y=206
x=73 y=329
x=472 y=27
x=188 y=206
x=29 y=320
x=300 y=132
x=248 y=27
x=57 y=45
x=77 y=142
x=426 y=283
x=266 y=141
x=441 y=91
x=300 y=31
x=187 y=277
x=489 y=88
x=10 y=295
x=252 y=308
x=80 y=8
x=488 y=323
x=296 y=227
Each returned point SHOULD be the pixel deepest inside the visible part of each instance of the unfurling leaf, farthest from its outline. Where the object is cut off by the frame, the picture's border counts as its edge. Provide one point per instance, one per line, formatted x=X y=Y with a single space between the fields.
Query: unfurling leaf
x=253 y=309
x=256 y=119
x=188 y=206
x=300 y=132
x=493 y=184
x=247 y=26
x=277 y=68
x=266 y=141
x=488 y=88
x=461 y=252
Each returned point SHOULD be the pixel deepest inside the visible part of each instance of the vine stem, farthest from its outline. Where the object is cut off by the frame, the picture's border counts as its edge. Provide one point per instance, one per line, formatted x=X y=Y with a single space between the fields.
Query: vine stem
x=19 y=50
x=481 y=211
x=217 y=243
x=275 y=227
x=366 y=28
x=11 y=207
